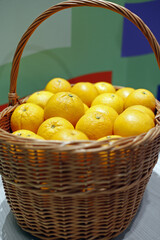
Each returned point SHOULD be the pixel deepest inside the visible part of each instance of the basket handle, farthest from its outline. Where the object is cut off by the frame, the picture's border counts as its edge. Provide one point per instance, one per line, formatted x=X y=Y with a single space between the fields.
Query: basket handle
x=13 y=98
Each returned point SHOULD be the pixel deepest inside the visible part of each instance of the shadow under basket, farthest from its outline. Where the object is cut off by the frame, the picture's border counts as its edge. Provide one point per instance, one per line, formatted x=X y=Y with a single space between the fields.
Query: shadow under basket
x=82 y=189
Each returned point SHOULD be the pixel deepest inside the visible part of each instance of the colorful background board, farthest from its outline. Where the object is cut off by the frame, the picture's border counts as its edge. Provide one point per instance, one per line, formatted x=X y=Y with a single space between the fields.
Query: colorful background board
x=77 y=42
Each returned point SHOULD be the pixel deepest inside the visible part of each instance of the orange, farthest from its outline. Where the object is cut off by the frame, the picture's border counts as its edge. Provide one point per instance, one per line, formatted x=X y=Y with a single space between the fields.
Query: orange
x=85 y=107
x=69 y=135
x=40 y=98
x=142 y=109
x=86 y=91
x=66 y=105
x=58 y=85
x=110 y=99
x=112 y=139
x=104 y=87
x=109 y=137
x=124 y=92
x=95 y=125
x=132 y=123
x=52 y=125
x=108 y=111
x=141 y=97
x=27 y=116
x=27 y=134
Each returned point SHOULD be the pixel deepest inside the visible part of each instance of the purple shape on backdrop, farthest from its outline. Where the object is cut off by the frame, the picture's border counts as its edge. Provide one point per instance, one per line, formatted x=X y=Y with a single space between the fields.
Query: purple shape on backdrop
x=134 y=42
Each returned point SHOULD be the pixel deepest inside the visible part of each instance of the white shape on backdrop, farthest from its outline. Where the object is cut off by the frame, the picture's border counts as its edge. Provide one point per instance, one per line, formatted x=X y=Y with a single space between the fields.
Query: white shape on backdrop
x=15 y=18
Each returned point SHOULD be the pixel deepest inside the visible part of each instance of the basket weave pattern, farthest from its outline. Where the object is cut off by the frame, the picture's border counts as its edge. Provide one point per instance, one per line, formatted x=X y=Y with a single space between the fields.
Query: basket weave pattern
x=84 y=189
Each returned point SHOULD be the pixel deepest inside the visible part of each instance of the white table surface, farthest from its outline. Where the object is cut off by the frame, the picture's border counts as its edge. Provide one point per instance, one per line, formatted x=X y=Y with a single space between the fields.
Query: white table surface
x=9 y=230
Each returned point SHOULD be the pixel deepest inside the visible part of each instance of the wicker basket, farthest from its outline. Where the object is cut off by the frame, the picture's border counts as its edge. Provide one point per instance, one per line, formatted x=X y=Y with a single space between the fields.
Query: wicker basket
x=82 y=189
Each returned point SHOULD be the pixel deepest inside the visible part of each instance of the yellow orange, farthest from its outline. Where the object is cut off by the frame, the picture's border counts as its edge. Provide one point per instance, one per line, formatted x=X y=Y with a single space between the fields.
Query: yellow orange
x=27 y=134
x=142 y=109
x=109 y=137
x=107 y=110
x=141 y=97
x=66 y=105
x=110 y=99
x=104 y=87
x=86 y=91
x=40 y=98
x=27 y=116
x=52 y=125
x=132 y=123
x=85 y=107
x=58 y=85
x=69 y=135
x=124 y=92
x=95 y=125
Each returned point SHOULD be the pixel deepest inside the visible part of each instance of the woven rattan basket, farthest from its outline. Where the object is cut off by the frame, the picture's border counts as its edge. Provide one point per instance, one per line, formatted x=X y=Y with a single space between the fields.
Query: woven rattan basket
x=77 y=190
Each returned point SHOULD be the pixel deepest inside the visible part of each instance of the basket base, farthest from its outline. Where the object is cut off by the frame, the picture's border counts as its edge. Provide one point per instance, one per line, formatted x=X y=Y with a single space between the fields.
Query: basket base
x=102 y=237
x=94 y=217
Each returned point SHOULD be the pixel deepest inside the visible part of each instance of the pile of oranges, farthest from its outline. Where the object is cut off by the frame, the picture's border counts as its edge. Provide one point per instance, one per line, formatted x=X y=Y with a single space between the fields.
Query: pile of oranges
x=84 y=111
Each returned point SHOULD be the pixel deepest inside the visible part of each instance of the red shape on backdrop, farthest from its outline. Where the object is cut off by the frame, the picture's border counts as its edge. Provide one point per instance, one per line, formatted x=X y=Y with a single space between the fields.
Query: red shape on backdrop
x=3 y=106
x=93 y=77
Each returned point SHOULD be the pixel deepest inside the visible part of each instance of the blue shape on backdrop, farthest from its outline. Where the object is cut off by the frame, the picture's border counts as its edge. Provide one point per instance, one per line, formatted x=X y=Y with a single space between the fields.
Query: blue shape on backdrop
x=158 y=92
x=134 y=42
